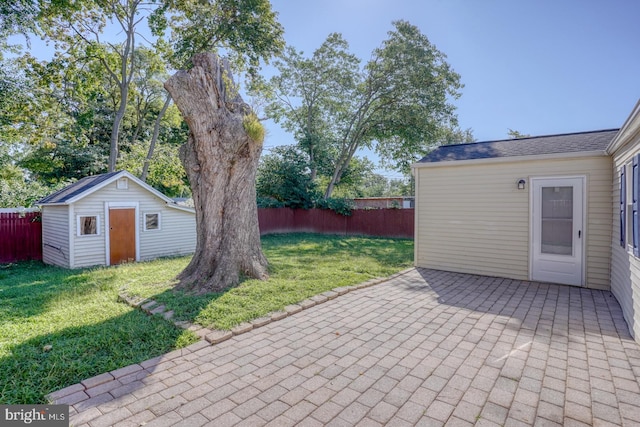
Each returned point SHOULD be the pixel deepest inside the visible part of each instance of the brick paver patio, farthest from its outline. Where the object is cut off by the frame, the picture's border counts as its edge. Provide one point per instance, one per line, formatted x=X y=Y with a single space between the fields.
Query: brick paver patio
x=425 y=348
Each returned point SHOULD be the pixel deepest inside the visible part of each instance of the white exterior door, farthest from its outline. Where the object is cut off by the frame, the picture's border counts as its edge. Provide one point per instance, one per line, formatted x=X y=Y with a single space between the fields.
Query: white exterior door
x=557 y=230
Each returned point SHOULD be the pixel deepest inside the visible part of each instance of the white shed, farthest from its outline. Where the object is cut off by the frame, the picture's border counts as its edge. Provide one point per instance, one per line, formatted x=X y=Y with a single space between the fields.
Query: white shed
x=113 y=218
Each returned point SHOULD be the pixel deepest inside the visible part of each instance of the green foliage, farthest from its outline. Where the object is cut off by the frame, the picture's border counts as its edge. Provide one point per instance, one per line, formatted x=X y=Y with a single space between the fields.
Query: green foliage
x=166 y=173
x=338 y=205
x=16 y=191
x=253 y=127
x=284 y=177
x=401 y=187
x=247 y=30
x=514 y=134
x=59 y=162
x=398 y=103
x=284 y=180
x=270 y=202
x=18 y=17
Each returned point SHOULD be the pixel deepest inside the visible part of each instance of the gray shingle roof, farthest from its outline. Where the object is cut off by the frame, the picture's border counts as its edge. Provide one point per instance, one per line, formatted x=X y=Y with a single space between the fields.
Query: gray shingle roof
x=532 y=146
x=79 y=187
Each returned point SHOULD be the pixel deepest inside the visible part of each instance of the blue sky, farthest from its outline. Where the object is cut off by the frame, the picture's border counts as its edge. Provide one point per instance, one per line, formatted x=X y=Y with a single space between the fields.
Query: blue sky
x=536 y=66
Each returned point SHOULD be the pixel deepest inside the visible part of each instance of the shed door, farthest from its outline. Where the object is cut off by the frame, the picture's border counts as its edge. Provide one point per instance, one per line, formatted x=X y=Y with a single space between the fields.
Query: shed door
x=558 y=233
x=122 y=235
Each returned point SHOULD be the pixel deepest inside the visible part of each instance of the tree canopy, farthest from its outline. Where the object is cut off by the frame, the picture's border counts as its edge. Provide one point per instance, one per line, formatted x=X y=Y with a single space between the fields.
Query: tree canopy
x=399 y=103
x=98 y=104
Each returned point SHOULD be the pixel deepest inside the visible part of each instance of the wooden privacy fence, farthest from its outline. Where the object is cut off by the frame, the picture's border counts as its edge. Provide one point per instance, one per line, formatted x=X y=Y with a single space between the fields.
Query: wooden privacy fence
x=20 y=236
x=21 y=232
x=374 y=222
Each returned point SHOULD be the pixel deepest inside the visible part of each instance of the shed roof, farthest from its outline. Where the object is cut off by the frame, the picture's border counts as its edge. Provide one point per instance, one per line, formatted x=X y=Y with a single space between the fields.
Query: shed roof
x=531 y=146
x=89 y=184
x=77 y=188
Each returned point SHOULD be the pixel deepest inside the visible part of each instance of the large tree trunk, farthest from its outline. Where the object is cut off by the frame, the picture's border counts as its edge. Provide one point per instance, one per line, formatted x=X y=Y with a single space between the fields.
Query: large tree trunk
x=220 y=159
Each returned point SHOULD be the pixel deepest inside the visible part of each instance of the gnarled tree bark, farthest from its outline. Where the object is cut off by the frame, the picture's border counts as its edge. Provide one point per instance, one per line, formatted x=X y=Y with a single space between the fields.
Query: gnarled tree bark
x=220 y=159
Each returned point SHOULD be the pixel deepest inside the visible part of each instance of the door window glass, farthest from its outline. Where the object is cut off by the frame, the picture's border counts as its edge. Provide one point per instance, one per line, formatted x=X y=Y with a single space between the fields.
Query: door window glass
x=557 y=220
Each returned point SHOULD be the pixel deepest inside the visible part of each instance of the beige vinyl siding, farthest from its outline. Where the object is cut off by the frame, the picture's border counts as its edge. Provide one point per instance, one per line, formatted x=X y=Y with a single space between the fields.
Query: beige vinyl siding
x=625 y=267
x=55 y=235
x=471 y=218
x=454 y=227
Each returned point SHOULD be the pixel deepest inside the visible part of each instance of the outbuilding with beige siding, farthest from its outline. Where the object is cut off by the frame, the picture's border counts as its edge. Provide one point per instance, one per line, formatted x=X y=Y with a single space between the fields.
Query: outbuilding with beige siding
x=560 y=208
x=535 y=208
x=110 y=219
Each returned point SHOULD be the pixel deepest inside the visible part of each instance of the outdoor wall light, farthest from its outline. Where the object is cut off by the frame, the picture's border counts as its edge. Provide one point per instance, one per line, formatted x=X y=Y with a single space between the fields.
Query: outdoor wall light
x=521 y=184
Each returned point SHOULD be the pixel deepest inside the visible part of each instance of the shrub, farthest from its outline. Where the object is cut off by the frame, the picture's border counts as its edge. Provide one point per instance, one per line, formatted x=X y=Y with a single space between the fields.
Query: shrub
x=338 y=205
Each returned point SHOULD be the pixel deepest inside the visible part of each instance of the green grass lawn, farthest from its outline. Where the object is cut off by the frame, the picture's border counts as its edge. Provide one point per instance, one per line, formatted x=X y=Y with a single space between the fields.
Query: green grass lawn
x=76 y=312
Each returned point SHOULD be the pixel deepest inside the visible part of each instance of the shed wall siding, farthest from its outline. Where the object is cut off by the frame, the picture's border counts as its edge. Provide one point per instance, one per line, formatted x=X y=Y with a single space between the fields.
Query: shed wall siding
x=473 y=219
x=55 y=235
x=88 y=250
x=177 y=235
x=625 y=267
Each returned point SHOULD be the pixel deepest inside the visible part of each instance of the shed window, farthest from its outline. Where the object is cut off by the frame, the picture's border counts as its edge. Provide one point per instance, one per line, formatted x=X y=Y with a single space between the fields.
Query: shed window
x=88 y=225
x=151 y=221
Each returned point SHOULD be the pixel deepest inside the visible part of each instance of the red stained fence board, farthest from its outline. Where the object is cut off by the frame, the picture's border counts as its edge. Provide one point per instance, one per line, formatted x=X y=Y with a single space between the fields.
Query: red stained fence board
x=374 y=222
x=20 y=237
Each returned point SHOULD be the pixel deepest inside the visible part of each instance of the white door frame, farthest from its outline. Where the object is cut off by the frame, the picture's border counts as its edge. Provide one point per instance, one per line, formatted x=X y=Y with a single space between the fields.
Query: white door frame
x=120 y=205
x=579 y=224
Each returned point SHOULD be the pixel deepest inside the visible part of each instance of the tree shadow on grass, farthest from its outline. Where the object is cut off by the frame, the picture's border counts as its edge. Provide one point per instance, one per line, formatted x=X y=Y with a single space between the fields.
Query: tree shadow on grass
x=30 y=370
x=26 y=288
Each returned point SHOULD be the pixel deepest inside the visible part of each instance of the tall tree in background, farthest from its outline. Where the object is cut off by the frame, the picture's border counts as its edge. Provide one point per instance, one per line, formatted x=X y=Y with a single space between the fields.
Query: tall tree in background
x=81 y=24
x=306 y=97
x=398 y=104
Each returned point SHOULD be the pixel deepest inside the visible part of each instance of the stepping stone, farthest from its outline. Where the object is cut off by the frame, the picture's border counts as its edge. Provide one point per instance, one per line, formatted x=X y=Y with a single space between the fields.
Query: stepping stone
x=293 y=309
x=148 y=305
x=218 y=336
x=330 y=294
x=308 y=303
x=242 y=328
x=260 y=321
x=279 y=315
x=158 y=309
